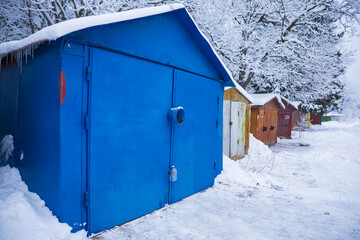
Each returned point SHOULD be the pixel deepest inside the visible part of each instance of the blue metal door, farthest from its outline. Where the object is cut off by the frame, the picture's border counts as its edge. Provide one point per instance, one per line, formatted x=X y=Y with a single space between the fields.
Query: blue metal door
x=194 y=142
x=129 y=138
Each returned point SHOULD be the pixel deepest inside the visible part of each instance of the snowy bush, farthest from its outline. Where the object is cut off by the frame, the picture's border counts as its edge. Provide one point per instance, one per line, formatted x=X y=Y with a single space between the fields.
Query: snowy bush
x=6 y=149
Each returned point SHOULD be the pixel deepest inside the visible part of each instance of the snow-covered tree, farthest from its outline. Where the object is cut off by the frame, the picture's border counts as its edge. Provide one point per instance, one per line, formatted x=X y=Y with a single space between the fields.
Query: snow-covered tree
x=284 y=46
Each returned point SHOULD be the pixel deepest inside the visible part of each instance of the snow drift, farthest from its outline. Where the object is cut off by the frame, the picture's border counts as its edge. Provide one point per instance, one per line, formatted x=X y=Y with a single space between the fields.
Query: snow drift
x=25 y=216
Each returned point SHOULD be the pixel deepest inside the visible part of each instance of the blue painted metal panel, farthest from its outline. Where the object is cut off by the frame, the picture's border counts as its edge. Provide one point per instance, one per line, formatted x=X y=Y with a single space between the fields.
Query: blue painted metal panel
x=38 y=125
x=163 y=38
x=72 y=134
x=9 y=84
x=219 y=140
x=129 y=138
x=195 y=141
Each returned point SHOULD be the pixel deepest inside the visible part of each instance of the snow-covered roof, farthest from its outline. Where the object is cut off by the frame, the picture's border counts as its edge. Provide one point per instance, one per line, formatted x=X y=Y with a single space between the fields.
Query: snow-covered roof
x=290 y=102
x=58 y=30
x=242 y=91
x=61 y=29
x=296 y=104
x=262 y=99
x=334 y=114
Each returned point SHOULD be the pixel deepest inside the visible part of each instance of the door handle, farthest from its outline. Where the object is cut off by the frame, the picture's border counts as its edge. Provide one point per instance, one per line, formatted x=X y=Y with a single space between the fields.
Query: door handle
x=176 y=115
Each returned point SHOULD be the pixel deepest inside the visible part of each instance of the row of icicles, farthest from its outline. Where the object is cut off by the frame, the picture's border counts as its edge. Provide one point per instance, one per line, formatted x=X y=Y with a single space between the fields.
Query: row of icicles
x=20 y=55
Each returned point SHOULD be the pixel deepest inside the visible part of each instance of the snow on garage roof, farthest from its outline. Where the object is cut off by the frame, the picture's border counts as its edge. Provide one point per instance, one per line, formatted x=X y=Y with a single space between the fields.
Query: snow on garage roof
x=63 y=28
x=262 y=99
x=242 y=91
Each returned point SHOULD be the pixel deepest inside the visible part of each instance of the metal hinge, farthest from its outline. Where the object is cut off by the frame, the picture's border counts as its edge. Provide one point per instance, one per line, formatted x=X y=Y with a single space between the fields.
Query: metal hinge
x=217 y=123
x=86 y=198
x=218 y=100
x=88 y=73
x=87 y=122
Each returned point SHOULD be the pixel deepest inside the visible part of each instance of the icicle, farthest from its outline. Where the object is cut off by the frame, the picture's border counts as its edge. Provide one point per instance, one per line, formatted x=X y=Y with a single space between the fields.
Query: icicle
x=32 y=51
x=26 y=54
x=17 y=58
x=19 y=55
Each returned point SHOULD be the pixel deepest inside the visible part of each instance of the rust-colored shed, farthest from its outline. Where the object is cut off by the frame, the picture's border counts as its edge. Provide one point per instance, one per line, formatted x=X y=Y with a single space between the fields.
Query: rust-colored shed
x=315 y=118
x=264 y=117
x=285 y=118
x=296 y=115
x=236 y=122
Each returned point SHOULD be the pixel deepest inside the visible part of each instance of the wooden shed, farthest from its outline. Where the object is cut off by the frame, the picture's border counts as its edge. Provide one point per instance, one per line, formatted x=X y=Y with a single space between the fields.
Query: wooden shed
x=264 y=117
x=285 y=118
x=296 y=115
x=315 y=118
x=108 y=120
x=236 y=122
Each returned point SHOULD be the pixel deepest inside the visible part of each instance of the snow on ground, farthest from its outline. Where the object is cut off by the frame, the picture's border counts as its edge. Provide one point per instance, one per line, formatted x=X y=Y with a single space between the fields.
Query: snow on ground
x=303 y=188
x=23 y=215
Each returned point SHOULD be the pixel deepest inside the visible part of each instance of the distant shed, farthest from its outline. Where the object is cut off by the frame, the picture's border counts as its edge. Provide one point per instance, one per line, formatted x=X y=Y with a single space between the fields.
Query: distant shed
x=315 y=118
x=264 y=117
x=108 y=120
x=236 y=122
x=296 y=115
x=285 y=118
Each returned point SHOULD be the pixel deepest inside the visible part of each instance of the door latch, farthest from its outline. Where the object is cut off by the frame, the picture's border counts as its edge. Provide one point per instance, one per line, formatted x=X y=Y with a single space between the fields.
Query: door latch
x=172 y=174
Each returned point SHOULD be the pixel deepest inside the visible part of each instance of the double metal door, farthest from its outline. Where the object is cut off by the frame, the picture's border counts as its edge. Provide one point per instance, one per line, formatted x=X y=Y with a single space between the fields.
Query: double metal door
x=131 y=144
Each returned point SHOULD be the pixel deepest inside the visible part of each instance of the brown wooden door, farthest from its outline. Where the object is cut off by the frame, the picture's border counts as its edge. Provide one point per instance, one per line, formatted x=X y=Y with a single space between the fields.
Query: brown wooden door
x=284 y=124
x=274 y=126
x=261 y=125
x=266 y=128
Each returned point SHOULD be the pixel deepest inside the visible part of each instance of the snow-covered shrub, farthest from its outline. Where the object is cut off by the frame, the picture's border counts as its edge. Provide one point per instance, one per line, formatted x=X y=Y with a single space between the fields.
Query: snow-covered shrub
x=6 y=148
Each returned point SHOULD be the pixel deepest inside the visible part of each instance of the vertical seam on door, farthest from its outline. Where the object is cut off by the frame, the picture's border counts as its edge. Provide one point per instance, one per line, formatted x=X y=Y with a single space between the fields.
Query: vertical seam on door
x=171 y=135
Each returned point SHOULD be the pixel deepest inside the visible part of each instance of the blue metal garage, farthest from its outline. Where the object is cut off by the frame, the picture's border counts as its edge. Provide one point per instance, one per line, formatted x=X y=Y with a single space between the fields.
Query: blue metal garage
x=115 y=118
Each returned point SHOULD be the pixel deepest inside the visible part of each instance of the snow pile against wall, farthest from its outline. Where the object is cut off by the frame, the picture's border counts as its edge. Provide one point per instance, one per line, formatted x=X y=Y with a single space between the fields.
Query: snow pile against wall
x=23 y=215
x=6 y=149
x=252 y=169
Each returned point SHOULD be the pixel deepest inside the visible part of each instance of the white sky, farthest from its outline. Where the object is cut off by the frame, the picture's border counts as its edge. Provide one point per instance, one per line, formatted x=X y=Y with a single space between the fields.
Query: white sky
x=352 y=78
x=353 y=72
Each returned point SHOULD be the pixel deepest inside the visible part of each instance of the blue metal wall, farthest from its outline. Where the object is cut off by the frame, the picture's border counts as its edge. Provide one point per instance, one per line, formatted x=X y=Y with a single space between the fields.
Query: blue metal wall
x=38 y=125
x=9 y=86
x=73 y=136
x=165 y=39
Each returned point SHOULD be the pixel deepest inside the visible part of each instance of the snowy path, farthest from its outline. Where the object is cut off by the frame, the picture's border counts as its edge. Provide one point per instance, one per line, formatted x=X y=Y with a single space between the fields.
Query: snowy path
x=311 y=192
